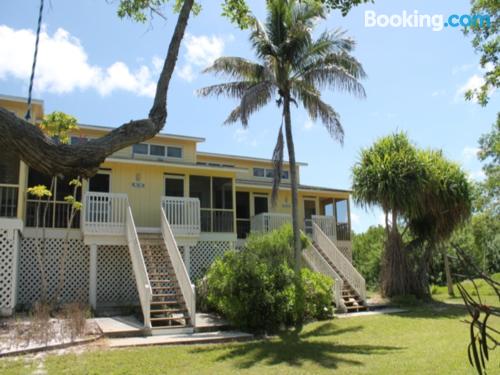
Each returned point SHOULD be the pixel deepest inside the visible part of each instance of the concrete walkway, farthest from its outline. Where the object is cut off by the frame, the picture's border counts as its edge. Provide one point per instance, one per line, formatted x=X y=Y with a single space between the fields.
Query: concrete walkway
x=388 y=310
x=181 y=339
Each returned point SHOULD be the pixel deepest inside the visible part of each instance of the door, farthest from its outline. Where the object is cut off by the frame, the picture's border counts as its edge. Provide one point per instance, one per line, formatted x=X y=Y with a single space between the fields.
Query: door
x=99 y=205
x=242 y=214
x=309 y=212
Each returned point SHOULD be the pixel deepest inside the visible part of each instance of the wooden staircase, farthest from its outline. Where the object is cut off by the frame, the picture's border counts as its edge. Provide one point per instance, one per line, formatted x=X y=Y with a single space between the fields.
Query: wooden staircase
x=168 y=308
x=352 y=300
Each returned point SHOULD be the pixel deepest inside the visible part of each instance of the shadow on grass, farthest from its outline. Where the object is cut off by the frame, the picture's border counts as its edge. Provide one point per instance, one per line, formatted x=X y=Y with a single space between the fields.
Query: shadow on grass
x=433 y=309
x=318 y=346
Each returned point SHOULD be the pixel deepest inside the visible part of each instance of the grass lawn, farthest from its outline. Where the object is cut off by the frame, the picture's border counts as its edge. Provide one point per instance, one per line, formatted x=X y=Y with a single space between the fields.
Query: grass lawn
x=428 y=339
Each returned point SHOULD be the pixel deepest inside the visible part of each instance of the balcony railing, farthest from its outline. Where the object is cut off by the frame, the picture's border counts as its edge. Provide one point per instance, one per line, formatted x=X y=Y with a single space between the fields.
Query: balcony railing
x=267 y=222
x=51 y=214
x=217 y=220
x=343 y=232
x=8 y=200
x=326 y=224
x=105 y=213
x=183 y=214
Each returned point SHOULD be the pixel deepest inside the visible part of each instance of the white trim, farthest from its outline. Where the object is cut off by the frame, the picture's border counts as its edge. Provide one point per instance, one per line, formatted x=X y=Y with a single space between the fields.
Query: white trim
x=175 y=165
x=161 y=135
x=238 y=157
x=74 y=234
x=20 y=99
x=93 y=276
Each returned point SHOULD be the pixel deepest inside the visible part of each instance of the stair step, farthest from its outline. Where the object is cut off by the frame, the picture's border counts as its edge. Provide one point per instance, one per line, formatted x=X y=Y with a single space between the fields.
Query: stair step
x=175 y=287
x=163 y=295
x=162 y=303
x=168 y=311
x=165 y=319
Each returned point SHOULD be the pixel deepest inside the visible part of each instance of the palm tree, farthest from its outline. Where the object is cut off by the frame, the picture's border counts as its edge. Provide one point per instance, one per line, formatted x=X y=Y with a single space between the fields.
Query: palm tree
x=292 y=68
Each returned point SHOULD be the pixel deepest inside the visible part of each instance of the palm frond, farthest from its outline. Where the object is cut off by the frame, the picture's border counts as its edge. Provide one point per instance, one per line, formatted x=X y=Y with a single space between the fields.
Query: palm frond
x=334 y=76
x=255 y=97
x=277 y=166
x=318 y=109
x=231 y=89
x=237 y=67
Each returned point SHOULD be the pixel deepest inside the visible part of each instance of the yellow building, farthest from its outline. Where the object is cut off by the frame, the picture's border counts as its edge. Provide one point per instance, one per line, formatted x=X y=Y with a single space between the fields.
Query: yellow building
x=210 y=201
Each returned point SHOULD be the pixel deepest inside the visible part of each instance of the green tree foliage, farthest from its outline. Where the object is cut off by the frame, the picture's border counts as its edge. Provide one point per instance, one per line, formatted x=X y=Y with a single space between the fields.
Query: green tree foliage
x=58 y=125
x=255 y=288
x=424 y=198
x=367 y=250
x=486 y=42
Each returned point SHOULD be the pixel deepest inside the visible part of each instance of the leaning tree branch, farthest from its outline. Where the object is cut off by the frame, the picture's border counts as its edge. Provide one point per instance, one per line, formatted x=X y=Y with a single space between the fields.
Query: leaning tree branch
x=43 y=154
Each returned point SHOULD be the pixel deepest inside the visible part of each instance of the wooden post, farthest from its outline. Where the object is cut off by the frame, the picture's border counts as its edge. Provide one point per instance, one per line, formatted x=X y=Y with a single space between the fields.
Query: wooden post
x=187 y=259
x=93 y=276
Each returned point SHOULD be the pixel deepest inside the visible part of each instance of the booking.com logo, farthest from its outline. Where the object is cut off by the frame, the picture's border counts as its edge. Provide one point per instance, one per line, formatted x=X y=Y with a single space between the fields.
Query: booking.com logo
x=434 y=21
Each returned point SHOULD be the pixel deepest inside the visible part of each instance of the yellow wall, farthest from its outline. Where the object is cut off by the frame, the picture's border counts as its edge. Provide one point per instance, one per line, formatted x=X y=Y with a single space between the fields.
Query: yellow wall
x=145 y=201
x=20 y=108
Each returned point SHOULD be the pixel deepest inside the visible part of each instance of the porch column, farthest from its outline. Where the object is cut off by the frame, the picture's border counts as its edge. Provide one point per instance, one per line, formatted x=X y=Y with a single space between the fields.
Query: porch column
x=21 y=196
x=187 y=259
x=93 y=276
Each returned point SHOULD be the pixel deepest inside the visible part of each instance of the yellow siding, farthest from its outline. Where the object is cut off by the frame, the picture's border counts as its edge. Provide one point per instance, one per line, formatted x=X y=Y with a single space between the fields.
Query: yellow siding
x=145 y=201
x=20 y=108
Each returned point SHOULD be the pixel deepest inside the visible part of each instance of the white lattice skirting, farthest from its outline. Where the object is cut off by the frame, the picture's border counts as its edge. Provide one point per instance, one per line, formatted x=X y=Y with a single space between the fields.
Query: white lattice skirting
x=115 y=278
x=204 y=254
x=8 y=250
x=115 y=284
x=76 y=287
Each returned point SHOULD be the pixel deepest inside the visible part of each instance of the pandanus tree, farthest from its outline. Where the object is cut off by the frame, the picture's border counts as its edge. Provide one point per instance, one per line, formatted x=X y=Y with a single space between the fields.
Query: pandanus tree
x=424 y=197
x=292 y=68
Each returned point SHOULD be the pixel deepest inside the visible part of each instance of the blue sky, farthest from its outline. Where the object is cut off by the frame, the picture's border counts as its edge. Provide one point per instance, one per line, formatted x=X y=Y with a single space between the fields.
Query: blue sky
x=103 y=70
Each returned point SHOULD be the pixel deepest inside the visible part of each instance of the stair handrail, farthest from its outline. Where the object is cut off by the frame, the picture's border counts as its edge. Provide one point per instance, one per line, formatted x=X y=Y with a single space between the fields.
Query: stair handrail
x=340 y=261
x=181 y=273
x=317 y=263
x=139 y=267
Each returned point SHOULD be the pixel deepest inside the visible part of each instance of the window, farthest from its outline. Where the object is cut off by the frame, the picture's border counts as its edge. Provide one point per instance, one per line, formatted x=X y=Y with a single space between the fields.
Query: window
x=269 y=173
x=140 y=148
x=9 y=168
x=222 y=189
x=174 y=152
x=259 y=172
x=156 y=150
x=174 y=186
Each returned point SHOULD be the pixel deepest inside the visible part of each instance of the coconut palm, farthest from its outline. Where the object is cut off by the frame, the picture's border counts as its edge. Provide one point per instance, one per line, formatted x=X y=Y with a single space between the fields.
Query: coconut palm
x=292 y=68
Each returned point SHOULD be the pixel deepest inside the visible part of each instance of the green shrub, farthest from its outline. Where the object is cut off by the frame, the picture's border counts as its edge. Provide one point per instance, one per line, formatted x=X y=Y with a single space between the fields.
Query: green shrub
x=255 y=288
x=317 y=295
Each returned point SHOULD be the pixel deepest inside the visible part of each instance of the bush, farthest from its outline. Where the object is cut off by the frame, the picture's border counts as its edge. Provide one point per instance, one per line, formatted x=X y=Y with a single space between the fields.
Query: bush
x=255 y=288
x=317 y=295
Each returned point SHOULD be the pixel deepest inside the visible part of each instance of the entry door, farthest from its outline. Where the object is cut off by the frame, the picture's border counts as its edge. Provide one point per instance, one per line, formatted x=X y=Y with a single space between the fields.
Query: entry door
x=174 y=186
x=309 y=212
x=242 y=214
x=99 y=207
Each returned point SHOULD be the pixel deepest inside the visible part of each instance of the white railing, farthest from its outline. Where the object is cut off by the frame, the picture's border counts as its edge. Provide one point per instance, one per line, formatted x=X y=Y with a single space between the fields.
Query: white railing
x=139 y=266
x=187 y=288
x=340 y=261
x=267 y=222
x=327 y=225
x=317 y=263
x=105 y=213
x=183 y=215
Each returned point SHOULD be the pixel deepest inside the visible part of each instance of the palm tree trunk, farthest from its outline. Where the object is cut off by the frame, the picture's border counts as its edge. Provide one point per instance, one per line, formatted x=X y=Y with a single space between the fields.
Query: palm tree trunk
x=293 y=176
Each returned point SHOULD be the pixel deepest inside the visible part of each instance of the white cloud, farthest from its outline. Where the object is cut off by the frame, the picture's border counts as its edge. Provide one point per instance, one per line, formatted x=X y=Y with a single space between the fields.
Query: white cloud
x=308 y=125
x=243 y=136
x=470 y=153
x=355 y=218
x=478 y=175
x=473 y=83
x=63 y=65
x=200 y=52
x=461 y=68
x=438 y=93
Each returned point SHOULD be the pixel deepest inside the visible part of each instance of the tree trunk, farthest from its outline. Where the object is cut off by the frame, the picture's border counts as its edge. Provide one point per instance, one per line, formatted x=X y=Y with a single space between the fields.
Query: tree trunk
x=295 y=192
x=447 y=270
x=40 y=152
x=396 y=273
